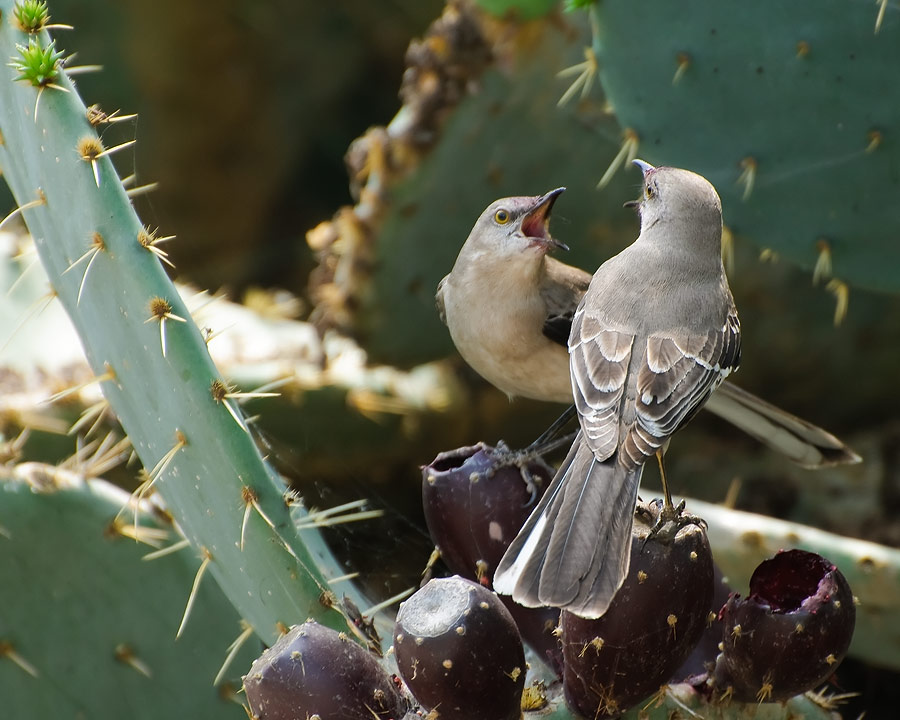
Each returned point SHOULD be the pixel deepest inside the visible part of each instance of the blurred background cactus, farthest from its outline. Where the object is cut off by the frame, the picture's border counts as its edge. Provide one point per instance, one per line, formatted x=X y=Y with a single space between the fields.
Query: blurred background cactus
x=776 y=107
x=795 y=123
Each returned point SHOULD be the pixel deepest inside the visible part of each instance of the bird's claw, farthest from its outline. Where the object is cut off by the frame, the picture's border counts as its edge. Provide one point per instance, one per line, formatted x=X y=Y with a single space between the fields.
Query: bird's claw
x=670 y=521
x=521 y=459
x=643 y=511
x=670 y=513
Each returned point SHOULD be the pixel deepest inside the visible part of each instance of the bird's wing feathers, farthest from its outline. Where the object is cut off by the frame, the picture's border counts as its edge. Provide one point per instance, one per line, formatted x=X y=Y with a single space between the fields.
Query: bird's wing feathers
x=561 y=292
x=599 y=360
x=678 y=373
x=439 y=299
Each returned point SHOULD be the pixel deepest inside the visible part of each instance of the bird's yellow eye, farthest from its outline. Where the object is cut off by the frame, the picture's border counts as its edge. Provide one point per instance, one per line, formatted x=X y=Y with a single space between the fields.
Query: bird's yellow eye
x=501 y=217
x=648 y=190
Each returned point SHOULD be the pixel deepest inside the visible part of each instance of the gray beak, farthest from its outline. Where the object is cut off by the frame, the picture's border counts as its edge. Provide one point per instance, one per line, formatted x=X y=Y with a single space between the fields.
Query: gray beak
x=644 y=166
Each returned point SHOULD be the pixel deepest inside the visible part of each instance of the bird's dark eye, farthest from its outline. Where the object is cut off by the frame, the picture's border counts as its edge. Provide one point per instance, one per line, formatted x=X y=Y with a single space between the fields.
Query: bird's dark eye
x=501 y=217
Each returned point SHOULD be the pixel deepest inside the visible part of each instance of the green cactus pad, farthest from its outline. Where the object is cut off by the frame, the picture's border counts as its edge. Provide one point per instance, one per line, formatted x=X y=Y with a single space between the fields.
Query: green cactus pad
x=157 y=371
x=795 y=98
x=92 y=622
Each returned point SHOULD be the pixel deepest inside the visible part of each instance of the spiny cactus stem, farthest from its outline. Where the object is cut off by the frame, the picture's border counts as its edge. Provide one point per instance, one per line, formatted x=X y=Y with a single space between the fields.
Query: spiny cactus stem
x=139 y=339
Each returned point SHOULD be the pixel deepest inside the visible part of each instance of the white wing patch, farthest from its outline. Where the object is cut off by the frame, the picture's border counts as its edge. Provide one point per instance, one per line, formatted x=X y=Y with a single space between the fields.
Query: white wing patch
x=598 y=359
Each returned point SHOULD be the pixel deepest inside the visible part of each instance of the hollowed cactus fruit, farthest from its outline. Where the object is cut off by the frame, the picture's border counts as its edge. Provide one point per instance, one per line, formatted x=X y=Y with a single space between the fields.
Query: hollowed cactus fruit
x=792 y=631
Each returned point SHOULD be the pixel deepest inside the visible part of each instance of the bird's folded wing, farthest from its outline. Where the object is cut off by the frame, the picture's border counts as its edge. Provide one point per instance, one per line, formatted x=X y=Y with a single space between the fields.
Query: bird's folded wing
x=562 y=290
x=439 y=300
x=599 y=360
x=677 y=375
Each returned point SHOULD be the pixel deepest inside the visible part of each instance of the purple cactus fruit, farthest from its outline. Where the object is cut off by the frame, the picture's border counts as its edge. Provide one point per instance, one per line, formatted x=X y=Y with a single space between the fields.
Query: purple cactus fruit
x=475 y=501
x=789 y=635
x=458 y=651
x=313 y=671
x=702 y=659
x=651 y=627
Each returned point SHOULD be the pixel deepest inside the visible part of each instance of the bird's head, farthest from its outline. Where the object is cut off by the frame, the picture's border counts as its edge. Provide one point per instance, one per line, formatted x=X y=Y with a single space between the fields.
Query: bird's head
x=515 y=225
x=673 y=195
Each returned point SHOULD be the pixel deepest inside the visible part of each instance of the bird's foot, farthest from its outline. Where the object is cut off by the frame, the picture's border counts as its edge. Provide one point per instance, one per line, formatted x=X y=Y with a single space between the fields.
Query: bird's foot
x=503 y=456
x=669 y=522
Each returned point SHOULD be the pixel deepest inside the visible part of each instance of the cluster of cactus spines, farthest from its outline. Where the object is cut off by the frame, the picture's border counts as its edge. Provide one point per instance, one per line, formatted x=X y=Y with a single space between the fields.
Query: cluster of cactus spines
x=136 y=332
x=89 y=615
x=789 y=634
x=316 y=672
x=651 y=627
x=39 y=65
x=750 y=104
x=459 y=652
x=475 y=501
x=441 y=70
x=32 y=16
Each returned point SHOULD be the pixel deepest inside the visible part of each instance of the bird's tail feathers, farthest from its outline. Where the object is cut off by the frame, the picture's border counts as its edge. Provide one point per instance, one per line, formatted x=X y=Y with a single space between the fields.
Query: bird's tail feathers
x=801 y=441
x=521 y=564
x=574 y=550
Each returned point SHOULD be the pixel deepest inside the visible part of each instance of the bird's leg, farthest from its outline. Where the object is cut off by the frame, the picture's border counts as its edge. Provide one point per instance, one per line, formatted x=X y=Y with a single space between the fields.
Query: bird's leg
x=668 y=507
x=670 y=514
x=503 y=457
x=549 y=441
x=669 y=511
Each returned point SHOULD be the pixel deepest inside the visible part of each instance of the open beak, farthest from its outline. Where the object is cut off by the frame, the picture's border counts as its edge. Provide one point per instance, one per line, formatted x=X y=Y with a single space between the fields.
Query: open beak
x=645 y=168
x=536 y=223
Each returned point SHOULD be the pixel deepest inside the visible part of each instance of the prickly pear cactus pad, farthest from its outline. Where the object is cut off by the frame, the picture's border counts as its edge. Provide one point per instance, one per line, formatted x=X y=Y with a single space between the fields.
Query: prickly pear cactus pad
x=87 y=627
x=789 y=109
x=150 y=359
